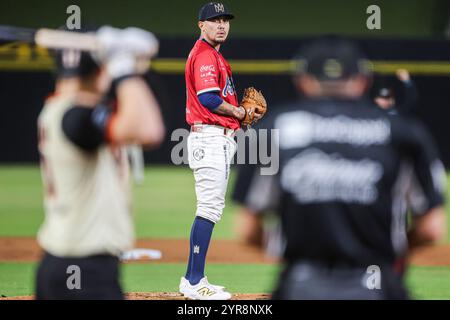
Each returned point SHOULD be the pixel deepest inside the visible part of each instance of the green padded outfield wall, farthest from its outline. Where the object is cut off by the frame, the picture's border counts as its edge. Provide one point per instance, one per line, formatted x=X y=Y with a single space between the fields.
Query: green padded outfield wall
x=404 y=18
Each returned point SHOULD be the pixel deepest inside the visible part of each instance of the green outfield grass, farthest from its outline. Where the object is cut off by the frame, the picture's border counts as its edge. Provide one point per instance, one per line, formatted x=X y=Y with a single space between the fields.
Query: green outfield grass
x=164 y=205
x=17 y=279
x=238 y=278
x=429 y=282
x=164 y=208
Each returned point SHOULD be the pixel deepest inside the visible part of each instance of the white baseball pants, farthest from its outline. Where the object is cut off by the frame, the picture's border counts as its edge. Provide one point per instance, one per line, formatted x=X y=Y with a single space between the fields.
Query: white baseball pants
x=210 y=155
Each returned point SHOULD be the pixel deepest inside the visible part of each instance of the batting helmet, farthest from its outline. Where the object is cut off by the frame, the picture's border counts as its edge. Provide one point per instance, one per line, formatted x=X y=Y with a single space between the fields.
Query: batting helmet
x=75 y=63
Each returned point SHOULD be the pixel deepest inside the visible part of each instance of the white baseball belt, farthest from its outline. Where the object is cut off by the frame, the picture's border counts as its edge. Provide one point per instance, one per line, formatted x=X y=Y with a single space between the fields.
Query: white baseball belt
x=209 y=128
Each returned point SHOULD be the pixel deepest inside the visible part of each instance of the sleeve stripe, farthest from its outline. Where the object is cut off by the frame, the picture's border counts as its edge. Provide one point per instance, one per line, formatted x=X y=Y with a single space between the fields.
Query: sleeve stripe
x=109 y=128
x=208 y=90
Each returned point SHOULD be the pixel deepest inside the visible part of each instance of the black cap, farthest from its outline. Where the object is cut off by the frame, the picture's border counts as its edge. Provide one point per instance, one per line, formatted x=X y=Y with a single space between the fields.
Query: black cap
x=385 y=93
x=75 y=63
x=213 y=10
x=332 y=58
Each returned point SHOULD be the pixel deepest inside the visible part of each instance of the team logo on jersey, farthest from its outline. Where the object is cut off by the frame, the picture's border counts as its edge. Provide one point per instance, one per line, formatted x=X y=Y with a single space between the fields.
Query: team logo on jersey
x=199 y=154
x=314 y=176
x=229 y=88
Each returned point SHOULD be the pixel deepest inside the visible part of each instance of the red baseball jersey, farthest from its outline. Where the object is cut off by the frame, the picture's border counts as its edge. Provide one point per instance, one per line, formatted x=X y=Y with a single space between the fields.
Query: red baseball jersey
x=208 y=71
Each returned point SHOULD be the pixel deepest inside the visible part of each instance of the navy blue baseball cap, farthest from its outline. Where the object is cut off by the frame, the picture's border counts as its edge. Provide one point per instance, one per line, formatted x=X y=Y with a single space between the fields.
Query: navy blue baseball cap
x=385 y=93
x=213 y=10
x=332 y=58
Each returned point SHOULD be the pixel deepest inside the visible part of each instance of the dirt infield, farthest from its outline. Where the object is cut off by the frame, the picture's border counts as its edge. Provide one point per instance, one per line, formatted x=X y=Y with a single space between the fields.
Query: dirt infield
x=433 y=256
x=25 y=249
x=161 y=296
x=22 y=249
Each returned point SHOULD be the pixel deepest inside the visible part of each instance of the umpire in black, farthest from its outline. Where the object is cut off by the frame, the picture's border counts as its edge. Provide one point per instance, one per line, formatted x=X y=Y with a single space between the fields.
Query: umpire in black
x=345 y=169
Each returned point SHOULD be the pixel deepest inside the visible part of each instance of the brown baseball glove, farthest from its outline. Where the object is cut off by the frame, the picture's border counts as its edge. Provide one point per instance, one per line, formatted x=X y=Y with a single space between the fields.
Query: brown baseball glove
x=253 y=102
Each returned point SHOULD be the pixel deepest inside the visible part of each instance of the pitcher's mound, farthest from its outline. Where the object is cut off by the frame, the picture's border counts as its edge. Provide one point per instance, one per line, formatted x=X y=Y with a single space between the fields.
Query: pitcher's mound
x=162 y=296
x=178 y=296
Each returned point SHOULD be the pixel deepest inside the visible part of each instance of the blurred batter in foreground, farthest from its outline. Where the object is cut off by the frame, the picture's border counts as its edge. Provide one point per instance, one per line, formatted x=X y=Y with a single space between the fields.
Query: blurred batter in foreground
x=84 y=165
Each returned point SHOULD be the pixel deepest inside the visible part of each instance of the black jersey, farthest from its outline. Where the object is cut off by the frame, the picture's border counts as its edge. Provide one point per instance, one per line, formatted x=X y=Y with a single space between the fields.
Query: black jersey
x=345 y=171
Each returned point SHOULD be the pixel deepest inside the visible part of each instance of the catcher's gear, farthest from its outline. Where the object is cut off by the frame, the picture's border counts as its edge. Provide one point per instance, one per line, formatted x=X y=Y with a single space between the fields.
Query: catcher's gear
x=253 y=102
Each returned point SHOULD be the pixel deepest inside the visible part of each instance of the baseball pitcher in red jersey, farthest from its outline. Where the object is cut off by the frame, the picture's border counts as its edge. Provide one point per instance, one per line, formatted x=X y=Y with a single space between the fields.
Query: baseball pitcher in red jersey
x=214 y=114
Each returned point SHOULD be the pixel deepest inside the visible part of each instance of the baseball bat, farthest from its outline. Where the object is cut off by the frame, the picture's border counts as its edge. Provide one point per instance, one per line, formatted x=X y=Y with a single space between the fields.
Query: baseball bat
x=50 y=38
